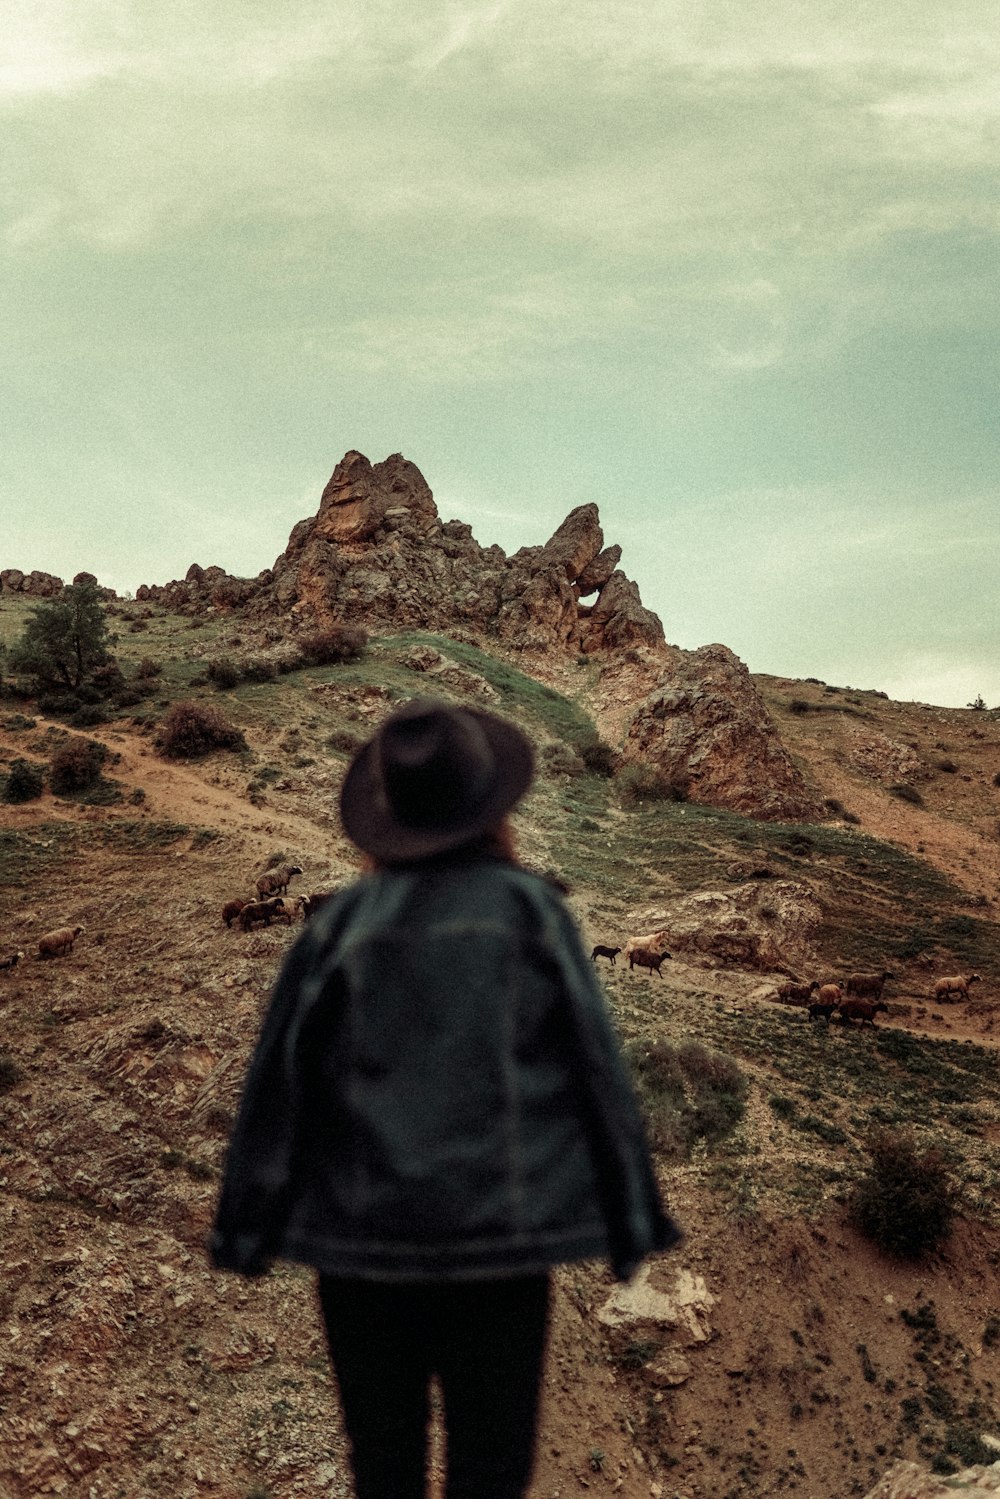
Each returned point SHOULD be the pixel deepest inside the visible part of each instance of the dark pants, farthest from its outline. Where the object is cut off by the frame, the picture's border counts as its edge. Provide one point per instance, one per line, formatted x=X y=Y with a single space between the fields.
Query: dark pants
x=485 y=1342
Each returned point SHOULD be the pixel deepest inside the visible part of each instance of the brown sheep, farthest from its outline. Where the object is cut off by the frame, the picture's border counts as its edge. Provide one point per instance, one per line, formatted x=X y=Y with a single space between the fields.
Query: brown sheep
x=955 y=984
x=232 y=909
x=8 y=963
x=311 y=903
x=798 y=993
x=867 y=985
x=275 y=881
x=829 y=994
x=262 y=911
x=822 y=1011
x=287 y=908
x=864 y=1010
x=605 y=952
x=61 y=940
x=642 y=957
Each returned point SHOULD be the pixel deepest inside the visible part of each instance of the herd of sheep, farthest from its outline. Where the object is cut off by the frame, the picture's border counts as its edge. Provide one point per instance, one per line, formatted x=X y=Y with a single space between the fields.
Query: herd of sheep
x=858 y=997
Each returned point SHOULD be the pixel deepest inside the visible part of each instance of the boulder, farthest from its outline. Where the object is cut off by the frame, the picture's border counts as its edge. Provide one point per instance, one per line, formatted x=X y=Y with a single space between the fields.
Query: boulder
x=907 y=1480
x=705 y=726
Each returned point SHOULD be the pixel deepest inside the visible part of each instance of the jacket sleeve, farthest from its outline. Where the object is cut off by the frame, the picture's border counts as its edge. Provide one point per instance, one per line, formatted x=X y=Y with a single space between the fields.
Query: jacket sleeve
x=259 y=1171
x=636 y=1221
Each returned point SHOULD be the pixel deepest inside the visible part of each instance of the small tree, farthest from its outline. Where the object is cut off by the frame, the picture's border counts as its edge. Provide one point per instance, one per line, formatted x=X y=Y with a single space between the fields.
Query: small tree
x=66 y=639
x=978 y=703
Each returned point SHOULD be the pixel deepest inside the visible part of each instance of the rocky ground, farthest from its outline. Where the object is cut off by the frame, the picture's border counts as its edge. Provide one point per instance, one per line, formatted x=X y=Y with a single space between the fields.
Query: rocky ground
x=774 y=1351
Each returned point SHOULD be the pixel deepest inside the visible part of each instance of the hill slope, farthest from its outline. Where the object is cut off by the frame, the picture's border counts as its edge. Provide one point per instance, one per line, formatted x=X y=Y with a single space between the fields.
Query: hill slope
x=776 y=1350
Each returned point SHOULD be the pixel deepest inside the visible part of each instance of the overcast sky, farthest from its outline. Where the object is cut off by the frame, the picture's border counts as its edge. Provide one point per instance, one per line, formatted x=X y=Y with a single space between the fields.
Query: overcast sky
x=729 y=271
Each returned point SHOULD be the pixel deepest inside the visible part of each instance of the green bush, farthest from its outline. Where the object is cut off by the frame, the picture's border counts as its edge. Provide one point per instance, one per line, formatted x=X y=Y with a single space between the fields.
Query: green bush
x=645 y=783
x=905 y=1201
x=689 y=1093
x=222 y=674
x=190 y=730
x=332 y=645
x=24 y=783
x=599 y=758
x=76 y=765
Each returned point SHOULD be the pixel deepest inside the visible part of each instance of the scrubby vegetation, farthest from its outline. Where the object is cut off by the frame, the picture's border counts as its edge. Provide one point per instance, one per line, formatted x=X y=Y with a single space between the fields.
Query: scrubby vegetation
x=905 y=1201
x=24 y=782
x=190 y=730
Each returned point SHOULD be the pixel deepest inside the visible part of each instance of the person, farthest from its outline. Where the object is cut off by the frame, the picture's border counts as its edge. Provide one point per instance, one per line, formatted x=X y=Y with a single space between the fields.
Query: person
x=437 y=1113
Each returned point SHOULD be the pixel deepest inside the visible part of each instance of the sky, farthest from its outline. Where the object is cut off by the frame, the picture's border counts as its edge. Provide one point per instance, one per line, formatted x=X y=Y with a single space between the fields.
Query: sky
x=731 y=272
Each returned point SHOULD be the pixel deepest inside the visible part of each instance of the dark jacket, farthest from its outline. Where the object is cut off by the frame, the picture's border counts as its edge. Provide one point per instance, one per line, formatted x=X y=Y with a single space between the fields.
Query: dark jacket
x=437 y=1093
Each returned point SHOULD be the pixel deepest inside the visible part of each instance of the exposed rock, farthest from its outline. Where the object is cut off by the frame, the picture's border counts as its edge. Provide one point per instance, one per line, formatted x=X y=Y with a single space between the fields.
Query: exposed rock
x=685 y=1306
x=911 y=1481
x=35 y=584
x=754 y=926
x=885 y=759
x=378 y=551
x=706 y=726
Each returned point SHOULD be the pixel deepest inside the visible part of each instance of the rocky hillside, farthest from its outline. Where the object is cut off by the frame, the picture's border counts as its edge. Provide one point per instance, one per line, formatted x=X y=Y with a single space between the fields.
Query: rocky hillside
x=777 y=1350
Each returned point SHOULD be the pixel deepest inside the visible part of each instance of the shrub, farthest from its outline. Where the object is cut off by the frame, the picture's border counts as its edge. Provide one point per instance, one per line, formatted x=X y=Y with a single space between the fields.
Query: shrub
x=24 y=782
x=76 y=765
x=344 y=740
x=645 y=783
x=222 y=674
x=89 y=716
x=10 y=1073
x=192 y=729
x=689 y=1093
x=597 y=756
x=947 y=765
x=799 y=705
x=148 y=669
x=259 y=669
x=334 y=644
x=906 y=793
x=58 y=704
x=905 y=1201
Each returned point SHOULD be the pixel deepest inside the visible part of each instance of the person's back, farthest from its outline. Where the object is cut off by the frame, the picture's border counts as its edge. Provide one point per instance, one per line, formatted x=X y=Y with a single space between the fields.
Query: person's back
x=437 y=1112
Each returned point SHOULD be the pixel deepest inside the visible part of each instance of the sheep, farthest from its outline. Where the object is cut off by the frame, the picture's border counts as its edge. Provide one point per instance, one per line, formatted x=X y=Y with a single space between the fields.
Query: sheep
x=867 y=985
x=255 y=911
x=232 y=909
x=864 y=1010
x=652 y=942
x=6 y=964
x=956 y=983
x=59 y=941
x=287 y=908
x=311 y=903
x=605 y=952
x=820 y=1010
x=798 y=993
x=646 y=959
x=275 y=881
x=829 y=994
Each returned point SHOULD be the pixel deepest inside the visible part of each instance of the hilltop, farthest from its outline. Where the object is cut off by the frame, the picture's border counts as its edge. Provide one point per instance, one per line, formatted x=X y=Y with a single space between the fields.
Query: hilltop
x=777 y=1350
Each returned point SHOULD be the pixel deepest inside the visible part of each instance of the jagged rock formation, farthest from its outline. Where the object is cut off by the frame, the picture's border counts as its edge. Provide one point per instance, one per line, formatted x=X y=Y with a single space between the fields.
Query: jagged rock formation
x=705 y=725
x=377 y=552
x=35 y=584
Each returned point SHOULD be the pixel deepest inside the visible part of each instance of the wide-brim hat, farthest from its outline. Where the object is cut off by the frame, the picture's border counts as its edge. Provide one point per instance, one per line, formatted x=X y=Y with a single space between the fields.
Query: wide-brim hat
x=433 y=777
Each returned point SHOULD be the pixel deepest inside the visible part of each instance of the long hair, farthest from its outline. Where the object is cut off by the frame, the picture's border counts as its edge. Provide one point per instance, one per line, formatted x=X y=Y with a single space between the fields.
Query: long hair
x=498 y=842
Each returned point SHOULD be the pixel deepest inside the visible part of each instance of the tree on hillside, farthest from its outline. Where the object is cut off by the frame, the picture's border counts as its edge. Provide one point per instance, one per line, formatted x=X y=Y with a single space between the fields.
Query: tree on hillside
x=65 y=639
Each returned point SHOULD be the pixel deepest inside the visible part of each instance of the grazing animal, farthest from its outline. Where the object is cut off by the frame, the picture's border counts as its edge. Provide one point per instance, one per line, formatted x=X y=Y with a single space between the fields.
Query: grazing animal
x=311 y=903
x=643 y=958
x=799 y=993
x=864 y=1010
x=867 y=985
x=262 y=911
x=821 y=1011
x=8 y=963
x=652 y=942
x=275 y=881
x=232 y=909
x=605 y=952
x=287 y=908
x=52 y=944
x=956 y=983
x=829 y=994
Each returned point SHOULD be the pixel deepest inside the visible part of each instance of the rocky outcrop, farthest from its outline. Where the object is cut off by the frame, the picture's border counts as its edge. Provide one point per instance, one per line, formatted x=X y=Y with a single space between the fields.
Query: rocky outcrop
x=704 y=726
x=377 y=552
x=35 y=584
x=767 y=927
